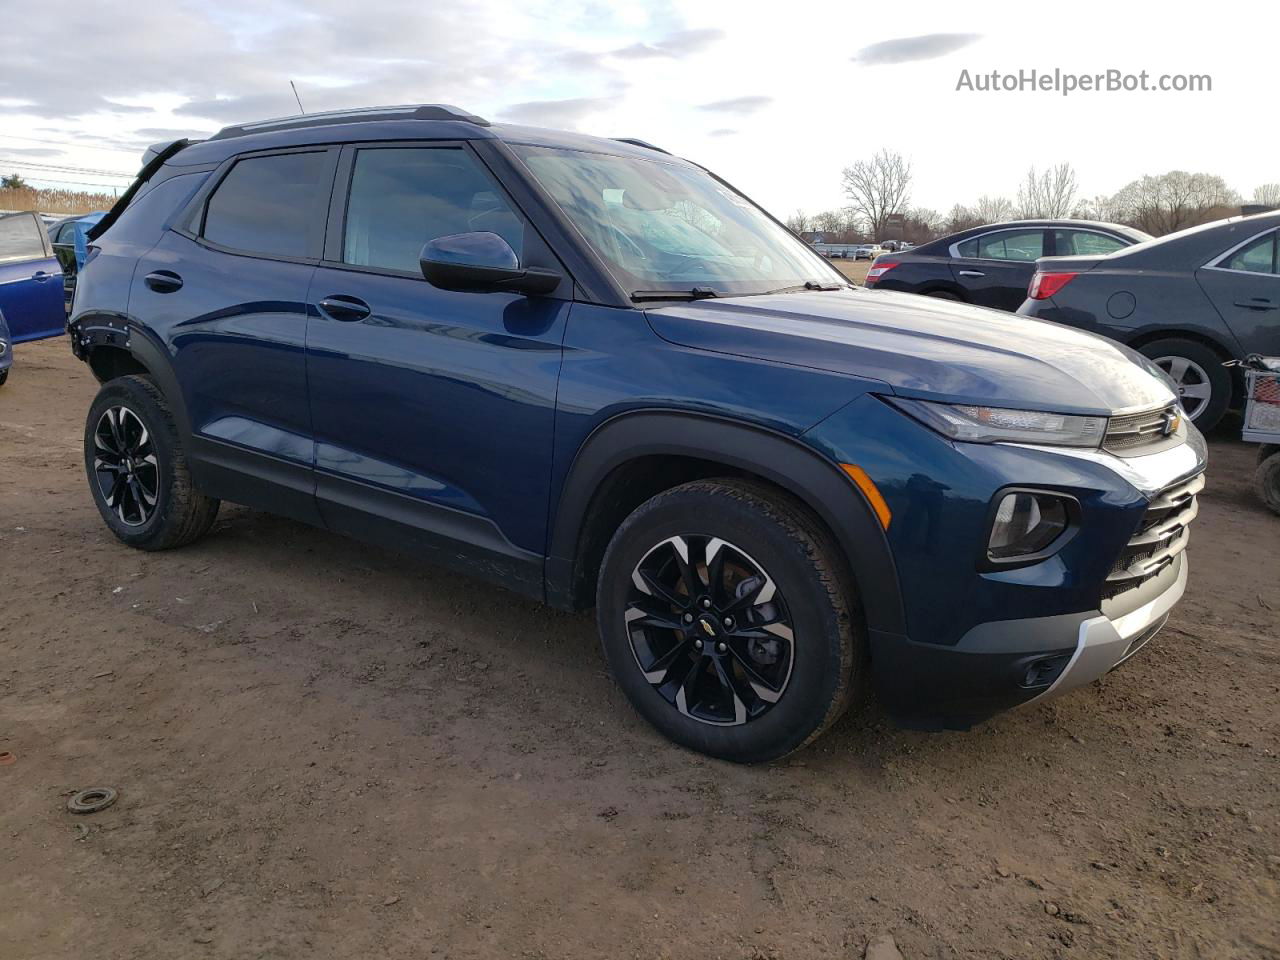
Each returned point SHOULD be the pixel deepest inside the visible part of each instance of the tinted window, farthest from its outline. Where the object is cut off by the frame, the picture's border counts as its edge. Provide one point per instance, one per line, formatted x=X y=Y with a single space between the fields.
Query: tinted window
x=1005 y=245
x=1257 y=257
x=20 y=239
x=403 y=197
x=1085 y=243
x=270 y=205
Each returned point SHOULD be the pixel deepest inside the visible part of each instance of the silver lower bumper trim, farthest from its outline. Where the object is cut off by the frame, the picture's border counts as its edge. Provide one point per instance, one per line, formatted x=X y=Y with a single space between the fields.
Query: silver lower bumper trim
x=1103 y=643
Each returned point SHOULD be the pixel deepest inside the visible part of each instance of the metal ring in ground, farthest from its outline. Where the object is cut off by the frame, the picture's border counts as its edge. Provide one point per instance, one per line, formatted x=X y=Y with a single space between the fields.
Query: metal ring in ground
x=92 y=800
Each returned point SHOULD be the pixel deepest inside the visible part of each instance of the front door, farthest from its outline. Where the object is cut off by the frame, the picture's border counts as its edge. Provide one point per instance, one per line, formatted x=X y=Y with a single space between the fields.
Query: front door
x=432 y=409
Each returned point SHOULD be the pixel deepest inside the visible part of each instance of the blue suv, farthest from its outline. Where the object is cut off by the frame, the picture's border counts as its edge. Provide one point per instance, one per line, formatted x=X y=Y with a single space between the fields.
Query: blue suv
x=597 y=374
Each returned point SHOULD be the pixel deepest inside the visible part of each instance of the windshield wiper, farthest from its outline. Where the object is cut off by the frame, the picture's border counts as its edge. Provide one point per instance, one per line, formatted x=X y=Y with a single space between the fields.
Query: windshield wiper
x=807 y=285
x=697 y=293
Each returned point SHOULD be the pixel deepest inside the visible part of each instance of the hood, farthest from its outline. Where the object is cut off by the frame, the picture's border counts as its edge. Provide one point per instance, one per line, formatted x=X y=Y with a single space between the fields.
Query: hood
x=924 y=347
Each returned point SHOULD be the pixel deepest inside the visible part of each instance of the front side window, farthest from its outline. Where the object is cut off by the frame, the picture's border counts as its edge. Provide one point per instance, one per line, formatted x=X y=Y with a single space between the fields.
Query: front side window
x=666 y=227
x=401 y=198
x=1257 y=257
x=1085 y=243
x=274 y=205
x=20 y=239
x=1022 y=245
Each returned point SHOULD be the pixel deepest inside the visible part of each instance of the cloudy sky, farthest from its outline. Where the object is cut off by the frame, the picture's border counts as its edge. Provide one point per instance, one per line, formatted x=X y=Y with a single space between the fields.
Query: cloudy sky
x=776 y=98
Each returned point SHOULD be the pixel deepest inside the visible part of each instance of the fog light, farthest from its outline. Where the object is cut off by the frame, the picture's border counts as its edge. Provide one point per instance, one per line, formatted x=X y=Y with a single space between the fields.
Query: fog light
x=1026 y=524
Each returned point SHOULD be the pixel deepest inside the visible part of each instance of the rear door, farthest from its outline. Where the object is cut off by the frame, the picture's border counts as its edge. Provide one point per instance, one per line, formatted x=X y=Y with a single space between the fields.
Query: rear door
x=1244 y=285
x=433 y=409
x=994 y=268
x=30 y=280
x=227 y=293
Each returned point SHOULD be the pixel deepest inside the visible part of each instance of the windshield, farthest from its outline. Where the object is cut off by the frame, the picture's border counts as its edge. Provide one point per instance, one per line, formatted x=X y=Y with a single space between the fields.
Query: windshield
x=669 y=227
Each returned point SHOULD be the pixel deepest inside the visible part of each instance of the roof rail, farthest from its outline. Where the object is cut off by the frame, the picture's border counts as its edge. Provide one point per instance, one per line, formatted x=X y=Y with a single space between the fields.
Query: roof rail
x=641 y=143
x=421 y=111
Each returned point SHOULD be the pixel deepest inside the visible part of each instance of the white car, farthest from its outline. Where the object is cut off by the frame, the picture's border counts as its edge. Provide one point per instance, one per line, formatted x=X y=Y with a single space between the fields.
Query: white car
x=868 y=251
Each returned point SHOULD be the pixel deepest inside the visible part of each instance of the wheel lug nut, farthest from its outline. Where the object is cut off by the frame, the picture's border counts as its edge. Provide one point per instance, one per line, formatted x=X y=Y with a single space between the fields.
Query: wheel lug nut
x=697 y=644
x=728 y=623
x=722 y=647
x=688 y=618
x=706 y=603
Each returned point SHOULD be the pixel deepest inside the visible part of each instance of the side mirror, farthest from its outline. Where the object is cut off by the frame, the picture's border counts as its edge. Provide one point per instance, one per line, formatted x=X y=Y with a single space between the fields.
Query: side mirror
x=482 y=262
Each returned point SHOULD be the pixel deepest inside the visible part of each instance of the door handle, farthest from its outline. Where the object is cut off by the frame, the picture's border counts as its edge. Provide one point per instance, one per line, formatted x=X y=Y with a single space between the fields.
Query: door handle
x=40 y=276
x=971 y=273
x=163 y=281
x=1257 y=303
x=343 y=308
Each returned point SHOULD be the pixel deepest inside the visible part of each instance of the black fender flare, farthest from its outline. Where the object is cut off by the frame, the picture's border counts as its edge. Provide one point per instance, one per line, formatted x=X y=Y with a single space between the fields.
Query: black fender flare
x=776 y=457
x=91 y=330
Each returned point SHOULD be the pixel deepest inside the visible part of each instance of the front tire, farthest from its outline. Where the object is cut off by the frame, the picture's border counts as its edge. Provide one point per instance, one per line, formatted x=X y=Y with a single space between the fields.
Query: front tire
x=1267 y=480
x=727 y=616
x=1203 y=383
x=137 y=468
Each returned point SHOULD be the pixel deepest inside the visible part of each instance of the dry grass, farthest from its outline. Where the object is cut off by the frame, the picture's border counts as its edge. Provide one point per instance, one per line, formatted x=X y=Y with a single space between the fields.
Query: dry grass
x=54 y=201
x=855 y=270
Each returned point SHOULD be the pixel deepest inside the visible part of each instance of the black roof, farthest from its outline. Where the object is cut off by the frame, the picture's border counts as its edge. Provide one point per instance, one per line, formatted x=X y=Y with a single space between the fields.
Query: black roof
x=419 y=111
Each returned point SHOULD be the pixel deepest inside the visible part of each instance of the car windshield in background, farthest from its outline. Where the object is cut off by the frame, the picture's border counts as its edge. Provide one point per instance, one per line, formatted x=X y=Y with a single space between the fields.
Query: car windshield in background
x=666 y=227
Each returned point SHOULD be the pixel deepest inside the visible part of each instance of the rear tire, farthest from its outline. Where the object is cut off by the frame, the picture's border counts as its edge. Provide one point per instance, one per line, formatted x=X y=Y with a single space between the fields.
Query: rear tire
x=1197 y=370
x=137 y=468
x=755 y=657
x=1267 y=479
x=4 y=377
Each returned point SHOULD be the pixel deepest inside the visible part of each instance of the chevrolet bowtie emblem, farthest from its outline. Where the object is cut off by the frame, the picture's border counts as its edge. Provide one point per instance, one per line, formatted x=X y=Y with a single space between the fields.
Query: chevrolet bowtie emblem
x=1172 y=420
x=707 y=628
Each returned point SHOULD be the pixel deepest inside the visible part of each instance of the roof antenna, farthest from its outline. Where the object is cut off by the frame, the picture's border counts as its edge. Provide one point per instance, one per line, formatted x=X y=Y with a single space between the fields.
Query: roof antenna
x=298 y=98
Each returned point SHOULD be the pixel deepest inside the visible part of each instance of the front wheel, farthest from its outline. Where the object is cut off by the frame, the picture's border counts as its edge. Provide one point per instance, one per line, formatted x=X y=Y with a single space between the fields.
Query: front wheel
x=137 y=468
x=1267 y=480
x=727 y=617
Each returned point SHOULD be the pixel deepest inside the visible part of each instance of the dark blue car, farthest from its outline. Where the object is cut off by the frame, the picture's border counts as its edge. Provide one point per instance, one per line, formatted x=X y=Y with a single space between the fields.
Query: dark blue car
x=597 y=374
x=31 y=294
x=6 y=350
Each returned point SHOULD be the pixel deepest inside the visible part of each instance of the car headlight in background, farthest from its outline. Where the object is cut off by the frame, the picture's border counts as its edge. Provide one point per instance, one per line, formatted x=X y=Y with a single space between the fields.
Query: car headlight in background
x=1025 y=524
x=976 y=424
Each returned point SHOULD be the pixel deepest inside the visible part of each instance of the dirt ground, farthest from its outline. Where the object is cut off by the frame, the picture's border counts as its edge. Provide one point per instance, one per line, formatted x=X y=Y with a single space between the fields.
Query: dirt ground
x=326 y=750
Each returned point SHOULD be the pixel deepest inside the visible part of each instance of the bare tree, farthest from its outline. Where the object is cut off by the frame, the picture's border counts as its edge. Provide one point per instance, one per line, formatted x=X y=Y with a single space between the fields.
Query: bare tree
x=878 y=188
x=828 y=221
x=962 y=218
x=1100 y=207
x=993 y=209
x=1047 y=195
x=1174 y=200
x=798 y=222
x=1268 y=195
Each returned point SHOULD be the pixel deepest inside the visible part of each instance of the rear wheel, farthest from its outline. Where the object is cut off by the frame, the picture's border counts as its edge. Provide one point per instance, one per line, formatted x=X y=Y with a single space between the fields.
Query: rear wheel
x=726 y=617
x=137 y=468
x=1203 y=383
x=1267 y=479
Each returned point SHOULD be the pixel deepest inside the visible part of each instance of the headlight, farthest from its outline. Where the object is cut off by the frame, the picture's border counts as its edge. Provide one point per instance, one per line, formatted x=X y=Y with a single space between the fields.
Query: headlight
x=1001 y=425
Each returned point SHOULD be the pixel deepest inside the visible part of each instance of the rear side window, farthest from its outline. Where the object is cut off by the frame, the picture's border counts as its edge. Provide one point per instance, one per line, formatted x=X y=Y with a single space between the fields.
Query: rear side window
x=1005 y=245
x=270 y=205
x=1257 y=257
x=1085 y=243
x=401 y=198
x=20 y=239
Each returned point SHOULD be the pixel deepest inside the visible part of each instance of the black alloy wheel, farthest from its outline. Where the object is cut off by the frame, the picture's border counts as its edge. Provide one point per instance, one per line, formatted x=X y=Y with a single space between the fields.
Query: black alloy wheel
x=125 y=466
x=710 y=630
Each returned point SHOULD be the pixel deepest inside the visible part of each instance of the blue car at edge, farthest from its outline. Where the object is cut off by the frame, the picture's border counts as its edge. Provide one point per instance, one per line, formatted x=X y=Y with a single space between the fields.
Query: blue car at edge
x=594 y=373
x=31 y=290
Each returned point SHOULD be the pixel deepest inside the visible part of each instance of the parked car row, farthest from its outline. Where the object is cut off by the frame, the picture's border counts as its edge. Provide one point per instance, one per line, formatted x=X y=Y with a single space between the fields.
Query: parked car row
x=589 y=371
x=1191 y=301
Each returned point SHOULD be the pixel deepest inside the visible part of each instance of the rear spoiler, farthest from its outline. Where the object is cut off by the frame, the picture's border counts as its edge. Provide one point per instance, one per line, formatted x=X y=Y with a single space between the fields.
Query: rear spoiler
x=153 y=160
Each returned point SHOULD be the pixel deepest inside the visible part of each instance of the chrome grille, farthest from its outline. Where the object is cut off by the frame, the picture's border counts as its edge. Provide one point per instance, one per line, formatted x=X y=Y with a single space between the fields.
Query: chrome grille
x=1162 y=535
x=1134 y=432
